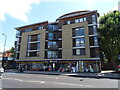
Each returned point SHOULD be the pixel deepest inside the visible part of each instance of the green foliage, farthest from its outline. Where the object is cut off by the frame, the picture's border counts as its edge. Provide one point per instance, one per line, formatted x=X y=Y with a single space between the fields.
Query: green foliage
x=109 y=31
x=12 y=50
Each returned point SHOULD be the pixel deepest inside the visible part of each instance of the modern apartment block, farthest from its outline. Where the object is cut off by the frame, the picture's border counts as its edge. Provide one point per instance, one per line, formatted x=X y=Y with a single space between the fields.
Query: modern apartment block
x=68 y=44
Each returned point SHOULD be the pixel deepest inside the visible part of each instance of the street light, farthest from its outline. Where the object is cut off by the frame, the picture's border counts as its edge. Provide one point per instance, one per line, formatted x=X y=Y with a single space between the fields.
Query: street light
x=4 y=50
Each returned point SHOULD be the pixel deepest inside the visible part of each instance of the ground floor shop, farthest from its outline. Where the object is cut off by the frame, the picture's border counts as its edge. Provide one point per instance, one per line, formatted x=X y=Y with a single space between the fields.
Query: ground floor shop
x=61 y=65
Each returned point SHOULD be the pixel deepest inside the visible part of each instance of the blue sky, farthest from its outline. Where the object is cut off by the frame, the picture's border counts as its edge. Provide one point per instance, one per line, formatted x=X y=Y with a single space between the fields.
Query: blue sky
x=24 y=12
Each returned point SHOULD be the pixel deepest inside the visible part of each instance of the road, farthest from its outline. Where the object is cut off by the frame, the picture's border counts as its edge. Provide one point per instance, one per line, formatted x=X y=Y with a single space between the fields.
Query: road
x=22 y=80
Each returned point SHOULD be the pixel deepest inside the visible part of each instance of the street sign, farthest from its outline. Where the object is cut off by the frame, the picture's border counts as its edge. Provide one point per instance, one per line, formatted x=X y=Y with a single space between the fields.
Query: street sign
x=5 y=58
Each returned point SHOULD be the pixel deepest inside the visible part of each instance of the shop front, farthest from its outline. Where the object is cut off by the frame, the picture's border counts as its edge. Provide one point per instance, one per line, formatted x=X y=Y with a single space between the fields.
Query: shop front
x=62 y=65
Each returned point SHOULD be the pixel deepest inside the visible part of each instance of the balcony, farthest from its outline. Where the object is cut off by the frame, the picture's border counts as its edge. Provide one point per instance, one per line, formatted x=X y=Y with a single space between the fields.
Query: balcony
x=18 y=35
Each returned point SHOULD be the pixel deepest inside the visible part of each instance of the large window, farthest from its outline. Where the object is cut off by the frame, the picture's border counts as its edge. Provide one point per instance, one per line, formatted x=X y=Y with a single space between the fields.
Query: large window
x=78 y=20
x=33 y=54
x=53 y=27
x=95 y=30
x=40 y=27
x=52 y=54
x=92 y=30
x=50 y=36
x=95 y=41
x=68 y=22
x=52 y=45
x=32 y=38
x=94 y=52
x=80 y=51
x=33 y=45
x=79 y=42
x=94 y=19
x=78 y=31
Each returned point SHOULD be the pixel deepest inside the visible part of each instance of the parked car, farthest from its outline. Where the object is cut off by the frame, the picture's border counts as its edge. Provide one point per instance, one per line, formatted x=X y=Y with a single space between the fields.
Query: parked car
x=118 y=68
x=1 y=72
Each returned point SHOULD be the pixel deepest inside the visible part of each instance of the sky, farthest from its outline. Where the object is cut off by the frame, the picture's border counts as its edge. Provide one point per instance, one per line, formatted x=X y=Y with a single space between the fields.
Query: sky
x=15 y=13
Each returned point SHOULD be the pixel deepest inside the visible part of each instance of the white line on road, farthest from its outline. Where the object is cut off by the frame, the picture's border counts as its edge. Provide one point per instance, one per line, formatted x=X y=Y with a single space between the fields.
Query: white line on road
x=35 y=81
x=67 y=83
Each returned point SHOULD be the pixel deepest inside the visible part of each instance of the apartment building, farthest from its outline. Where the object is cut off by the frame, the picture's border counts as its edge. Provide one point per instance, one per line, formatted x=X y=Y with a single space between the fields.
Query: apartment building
x=70 y=44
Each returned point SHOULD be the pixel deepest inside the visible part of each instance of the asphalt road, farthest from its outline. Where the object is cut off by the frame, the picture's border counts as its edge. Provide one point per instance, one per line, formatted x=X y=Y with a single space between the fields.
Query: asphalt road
x=17 y=80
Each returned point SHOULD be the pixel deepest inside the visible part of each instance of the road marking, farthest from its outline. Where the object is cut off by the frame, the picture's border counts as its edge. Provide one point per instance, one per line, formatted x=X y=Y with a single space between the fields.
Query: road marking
x=67 y=84
x=89 y=85
x=36 y=81
x=57 y=78
x=18 y=79
x=9 y=78
x=43 y=82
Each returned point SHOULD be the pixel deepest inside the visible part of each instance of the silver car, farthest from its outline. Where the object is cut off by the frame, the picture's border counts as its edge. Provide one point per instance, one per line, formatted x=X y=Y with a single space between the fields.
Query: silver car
x=1 y=72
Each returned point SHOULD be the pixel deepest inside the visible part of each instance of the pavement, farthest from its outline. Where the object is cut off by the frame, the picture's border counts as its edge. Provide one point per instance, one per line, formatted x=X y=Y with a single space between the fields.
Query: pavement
x=103 y=74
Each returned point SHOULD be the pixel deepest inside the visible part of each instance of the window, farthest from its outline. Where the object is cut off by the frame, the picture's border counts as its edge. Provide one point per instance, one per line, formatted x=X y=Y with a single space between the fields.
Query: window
x=93 y=19
x=38 y=37
x=33 y=54
x=38 y=46
x=80 y=42
x=94 y=52
x=94 y=30
x=40 y=27
x=79 y=51
x=52 y=54
x=79 y=31
x=52 y=45
x=27 y=30
x=95 y=41
x=50 y=36
x=76 y=20
x=81 y=19
x=29 y=38
x=28 y=47
x=84 y=19
x=68 y=22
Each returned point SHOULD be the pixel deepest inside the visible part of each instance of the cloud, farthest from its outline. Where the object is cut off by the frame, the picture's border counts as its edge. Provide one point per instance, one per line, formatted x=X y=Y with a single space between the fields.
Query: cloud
x=16 y=8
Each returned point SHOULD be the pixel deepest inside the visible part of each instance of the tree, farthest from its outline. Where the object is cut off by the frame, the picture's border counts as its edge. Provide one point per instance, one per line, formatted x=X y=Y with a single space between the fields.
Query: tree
x=109 y=32
x=12 y=50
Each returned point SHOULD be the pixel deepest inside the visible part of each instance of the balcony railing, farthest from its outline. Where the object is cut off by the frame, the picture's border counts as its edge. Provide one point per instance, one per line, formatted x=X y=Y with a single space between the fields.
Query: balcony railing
x=18 y=35
x=53 y=47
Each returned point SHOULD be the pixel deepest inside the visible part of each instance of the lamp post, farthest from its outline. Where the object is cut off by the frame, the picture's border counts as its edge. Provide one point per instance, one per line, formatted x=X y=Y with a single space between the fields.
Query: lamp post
x=4 y=50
